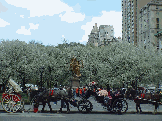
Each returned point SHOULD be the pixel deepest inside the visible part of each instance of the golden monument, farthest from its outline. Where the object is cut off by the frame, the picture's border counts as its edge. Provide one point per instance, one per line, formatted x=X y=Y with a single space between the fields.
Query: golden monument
x=75 y=68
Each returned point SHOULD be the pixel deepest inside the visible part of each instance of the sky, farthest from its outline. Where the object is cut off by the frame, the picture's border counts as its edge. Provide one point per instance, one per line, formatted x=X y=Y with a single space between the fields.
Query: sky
x=50 y=21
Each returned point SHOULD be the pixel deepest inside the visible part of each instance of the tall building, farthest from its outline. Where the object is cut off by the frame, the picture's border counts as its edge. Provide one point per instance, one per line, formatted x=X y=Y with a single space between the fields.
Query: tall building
x=150 y=23
x=102 y=36
x=130 y=17
x=93 y=38
x=106 y=32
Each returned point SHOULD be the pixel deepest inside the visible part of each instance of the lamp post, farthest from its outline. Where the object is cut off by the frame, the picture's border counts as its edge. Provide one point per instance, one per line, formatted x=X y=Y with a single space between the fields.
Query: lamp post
x=41 y=71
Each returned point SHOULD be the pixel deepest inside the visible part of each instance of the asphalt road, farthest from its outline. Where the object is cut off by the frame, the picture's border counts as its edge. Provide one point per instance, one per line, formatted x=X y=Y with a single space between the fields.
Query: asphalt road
x=98 y=114
x=97 y=107
x=78 y=117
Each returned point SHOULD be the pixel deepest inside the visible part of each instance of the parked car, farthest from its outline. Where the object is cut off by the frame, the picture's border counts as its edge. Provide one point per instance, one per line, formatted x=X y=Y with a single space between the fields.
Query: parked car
x=159 y=90
x=151 y=90
x=34 y=87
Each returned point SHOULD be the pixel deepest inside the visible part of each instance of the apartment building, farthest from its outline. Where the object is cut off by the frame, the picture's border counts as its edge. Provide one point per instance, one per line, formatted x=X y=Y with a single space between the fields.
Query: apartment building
x=102 y=36
x=150 y=23
x=130 y=17
x=93 y=38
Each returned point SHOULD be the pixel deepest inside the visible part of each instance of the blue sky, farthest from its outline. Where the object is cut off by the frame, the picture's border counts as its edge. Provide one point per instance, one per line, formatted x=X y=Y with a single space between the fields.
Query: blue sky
x=50 y=21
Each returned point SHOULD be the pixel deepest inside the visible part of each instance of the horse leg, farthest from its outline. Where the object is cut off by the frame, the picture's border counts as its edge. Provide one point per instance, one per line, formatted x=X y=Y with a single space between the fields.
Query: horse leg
x=67 y=104
x=62 y=104
x=140 y=108
x=156 y=106
x=49 y=105
x=137 y=108
x=44 y=104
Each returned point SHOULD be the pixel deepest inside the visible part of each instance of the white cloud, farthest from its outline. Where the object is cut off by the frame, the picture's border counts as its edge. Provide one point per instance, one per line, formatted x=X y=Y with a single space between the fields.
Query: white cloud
x=48 y=7
x=23 y=31
x=27 y=31
x=63 y=36
x=69 y=17
x=3 y=23
x=107 y=18
x=32 y=26
x=22 y=16
x=2 y=8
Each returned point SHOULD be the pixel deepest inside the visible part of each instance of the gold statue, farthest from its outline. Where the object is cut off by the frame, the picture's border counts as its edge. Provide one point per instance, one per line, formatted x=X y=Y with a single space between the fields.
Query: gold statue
x=75 y=67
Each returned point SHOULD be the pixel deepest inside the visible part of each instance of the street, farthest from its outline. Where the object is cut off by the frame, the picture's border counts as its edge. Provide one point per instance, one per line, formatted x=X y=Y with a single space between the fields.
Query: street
x=78 y=117
x=98 y=114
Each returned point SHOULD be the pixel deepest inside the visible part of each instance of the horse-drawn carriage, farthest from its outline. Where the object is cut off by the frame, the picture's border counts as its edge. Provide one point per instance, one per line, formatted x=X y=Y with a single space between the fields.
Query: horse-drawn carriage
x=11 y=99
x=145 y=98
x=116 y=104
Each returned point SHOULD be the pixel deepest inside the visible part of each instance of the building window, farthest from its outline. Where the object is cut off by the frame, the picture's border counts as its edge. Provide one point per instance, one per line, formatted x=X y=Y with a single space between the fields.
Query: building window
x=157 y=26
x=157 y=20
x=144 y=47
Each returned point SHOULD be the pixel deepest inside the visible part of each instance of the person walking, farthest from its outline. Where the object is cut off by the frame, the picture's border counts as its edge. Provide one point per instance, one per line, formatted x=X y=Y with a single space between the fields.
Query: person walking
x=74 y=93
x=77 y=91
x=84 y=90
x=80 y=91
x=56 y=83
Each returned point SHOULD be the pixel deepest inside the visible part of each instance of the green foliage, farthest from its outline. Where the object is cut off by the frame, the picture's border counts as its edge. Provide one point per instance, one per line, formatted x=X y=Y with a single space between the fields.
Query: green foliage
x=114 y=64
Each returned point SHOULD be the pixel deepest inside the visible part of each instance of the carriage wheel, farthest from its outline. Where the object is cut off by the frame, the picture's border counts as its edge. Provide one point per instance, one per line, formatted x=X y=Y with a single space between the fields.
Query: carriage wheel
x=85 y=106
x=120 y=106
x=22 y=105
x=11 y=103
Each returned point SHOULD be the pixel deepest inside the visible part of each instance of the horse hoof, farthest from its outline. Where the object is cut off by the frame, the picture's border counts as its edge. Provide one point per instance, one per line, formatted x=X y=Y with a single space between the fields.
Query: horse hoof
x=59 y=111
x=67 y=112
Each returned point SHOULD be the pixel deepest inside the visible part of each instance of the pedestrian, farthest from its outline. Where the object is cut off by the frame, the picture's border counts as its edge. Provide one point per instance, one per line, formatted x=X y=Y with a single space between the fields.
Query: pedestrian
x=80 y=91
x=84 y=91
x=77 y=91
x=64 y=88
x=56 y=83
x=94 y=90
x=74 y=93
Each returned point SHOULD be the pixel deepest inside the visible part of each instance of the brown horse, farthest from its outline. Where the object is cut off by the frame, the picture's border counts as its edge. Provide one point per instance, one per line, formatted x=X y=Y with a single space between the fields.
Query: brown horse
x=147 y=98
x=47 y=96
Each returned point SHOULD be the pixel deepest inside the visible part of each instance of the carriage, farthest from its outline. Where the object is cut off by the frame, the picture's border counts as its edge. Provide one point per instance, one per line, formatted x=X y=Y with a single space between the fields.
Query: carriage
x=117 y=104
x=11 y=99
x=145 y=98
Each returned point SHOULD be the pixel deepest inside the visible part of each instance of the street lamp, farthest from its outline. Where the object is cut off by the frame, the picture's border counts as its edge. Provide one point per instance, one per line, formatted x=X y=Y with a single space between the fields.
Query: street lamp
x=41 y=71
